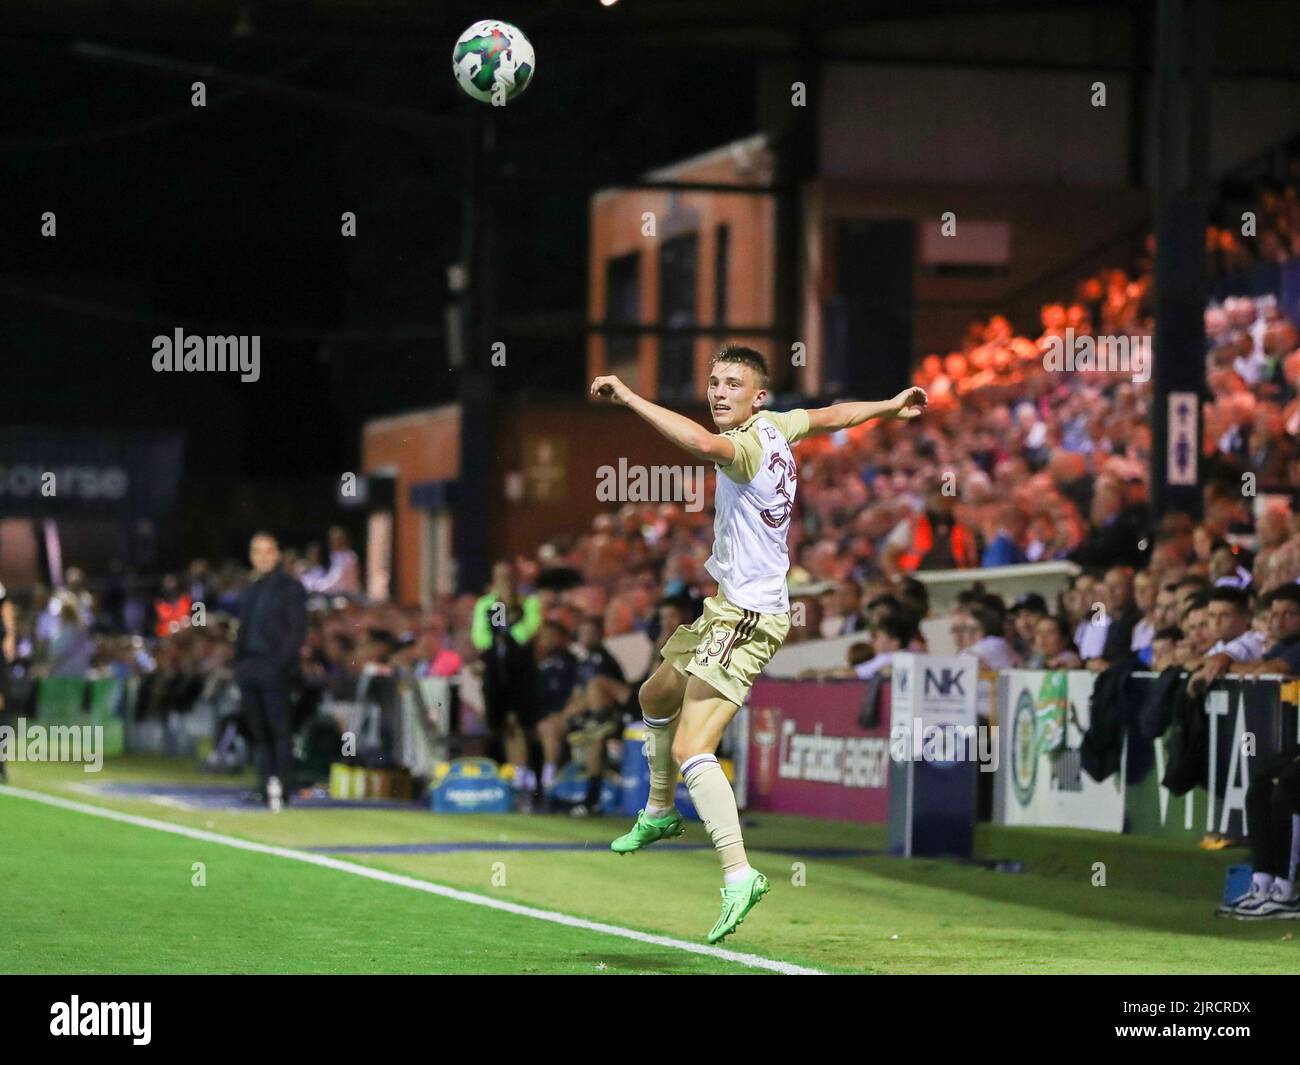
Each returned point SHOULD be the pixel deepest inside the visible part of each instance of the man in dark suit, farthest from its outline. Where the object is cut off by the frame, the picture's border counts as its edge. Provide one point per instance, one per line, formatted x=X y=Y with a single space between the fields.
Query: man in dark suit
x=272 y=625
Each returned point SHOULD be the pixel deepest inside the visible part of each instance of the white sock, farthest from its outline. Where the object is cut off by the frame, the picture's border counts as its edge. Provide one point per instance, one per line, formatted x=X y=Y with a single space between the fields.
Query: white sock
x=716 y=804
x=651 y=810
x=548 y=775
x=736 y=875
x=659 y=733
x=1263 y=881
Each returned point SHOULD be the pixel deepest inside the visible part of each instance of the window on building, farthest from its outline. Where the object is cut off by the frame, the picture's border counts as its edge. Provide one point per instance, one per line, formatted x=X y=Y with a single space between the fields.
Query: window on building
x=678 y=272
x=622 y=306
x=721 y=260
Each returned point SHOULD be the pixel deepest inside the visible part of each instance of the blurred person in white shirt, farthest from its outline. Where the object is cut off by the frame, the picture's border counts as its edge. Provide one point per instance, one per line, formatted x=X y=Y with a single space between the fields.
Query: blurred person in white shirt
x=344 y=575
x=313 y=570
x=892 y=635
x=978 y=630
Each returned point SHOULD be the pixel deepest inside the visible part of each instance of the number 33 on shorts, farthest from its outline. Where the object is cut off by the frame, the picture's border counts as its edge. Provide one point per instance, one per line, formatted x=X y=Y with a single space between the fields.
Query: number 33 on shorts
x=714 y=645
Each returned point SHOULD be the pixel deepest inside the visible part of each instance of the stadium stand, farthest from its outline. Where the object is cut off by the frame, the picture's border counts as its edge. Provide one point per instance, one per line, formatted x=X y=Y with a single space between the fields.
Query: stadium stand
x=1038 y=466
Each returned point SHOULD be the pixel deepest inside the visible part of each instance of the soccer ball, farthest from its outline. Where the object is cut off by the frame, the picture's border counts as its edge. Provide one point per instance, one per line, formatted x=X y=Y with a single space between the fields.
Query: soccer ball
x=493 y=61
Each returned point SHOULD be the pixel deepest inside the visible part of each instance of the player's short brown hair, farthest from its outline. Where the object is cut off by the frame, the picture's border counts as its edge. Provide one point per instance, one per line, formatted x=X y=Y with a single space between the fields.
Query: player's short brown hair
x=746 y=357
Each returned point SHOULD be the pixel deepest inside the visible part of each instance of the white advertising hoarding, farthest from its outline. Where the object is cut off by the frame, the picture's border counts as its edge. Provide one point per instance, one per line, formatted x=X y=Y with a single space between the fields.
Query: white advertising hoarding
x=1043 y=716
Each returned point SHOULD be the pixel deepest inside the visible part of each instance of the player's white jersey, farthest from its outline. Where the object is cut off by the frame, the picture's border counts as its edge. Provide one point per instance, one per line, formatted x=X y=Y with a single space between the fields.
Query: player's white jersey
x=753 y=505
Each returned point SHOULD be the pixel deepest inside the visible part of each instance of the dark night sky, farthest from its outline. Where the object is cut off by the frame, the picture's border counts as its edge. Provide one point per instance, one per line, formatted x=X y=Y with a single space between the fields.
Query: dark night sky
x=229 y=216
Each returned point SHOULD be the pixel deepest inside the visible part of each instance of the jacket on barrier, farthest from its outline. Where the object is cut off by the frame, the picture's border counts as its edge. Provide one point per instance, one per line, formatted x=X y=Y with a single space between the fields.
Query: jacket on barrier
x=1110 y=715
x=1157 y=710
x=1187 y=743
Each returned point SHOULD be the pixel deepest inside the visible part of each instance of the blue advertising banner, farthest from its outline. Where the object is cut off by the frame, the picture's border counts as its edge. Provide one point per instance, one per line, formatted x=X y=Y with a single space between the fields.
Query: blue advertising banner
x=49 y=474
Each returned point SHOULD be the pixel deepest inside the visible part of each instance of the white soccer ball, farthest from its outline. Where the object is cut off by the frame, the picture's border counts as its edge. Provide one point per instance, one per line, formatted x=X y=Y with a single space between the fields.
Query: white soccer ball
x=493 y=61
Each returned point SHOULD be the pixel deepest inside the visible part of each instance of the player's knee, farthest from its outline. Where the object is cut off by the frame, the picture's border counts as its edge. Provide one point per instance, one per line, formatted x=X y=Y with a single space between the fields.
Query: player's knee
x=655 y=702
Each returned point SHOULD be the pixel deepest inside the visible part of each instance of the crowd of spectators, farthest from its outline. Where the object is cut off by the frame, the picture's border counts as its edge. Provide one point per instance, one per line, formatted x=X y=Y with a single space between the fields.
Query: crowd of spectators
x=1015 y=461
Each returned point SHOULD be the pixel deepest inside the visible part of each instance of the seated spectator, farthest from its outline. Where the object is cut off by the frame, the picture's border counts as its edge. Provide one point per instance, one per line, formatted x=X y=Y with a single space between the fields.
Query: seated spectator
x=312 y=570
x=1225 y=569
x=915 y=598
x=1145 y=593
x=1085 y=608
x=1052 y=646
x=1269 y=448
x=1236 y=641
x=892 y=635
x=591 y=714
x=1163 y=616
x=881 y=607
x=556 y=676
x=978 y=630
x=1026 y=612
x=1121 y=618
x=1205 y=541
x=1006 y=548
x=860 y=652
x=1283 y=654
x=1164 y=648
x=1191 y=587
x=841 y=610
x=1198 y=636
x=1166 y=612
x=344 y=574
x=594 y=658
x=1045 y=541
x=1272 y=528
x=1119 y=530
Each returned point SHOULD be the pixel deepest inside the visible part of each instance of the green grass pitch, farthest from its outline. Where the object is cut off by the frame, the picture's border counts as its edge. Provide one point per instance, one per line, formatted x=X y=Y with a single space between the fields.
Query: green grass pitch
x=81 y=894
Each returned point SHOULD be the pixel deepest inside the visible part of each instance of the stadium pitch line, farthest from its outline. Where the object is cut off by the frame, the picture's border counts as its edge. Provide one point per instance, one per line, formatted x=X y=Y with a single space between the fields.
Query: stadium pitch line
x=754 y=961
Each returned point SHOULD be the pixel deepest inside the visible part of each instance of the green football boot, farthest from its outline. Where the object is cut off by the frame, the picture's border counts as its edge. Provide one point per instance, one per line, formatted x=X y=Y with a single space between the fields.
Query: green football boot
x=647 y=830
x=737 y=901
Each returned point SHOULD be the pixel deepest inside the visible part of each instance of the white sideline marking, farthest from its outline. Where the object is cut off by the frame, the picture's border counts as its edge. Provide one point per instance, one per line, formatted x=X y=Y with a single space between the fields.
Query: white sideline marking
x=752 y=960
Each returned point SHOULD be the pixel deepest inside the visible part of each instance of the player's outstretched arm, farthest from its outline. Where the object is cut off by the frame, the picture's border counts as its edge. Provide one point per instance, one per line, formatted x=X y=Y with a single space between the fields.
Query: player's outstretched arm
x=689 y=435
x=909 y=403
